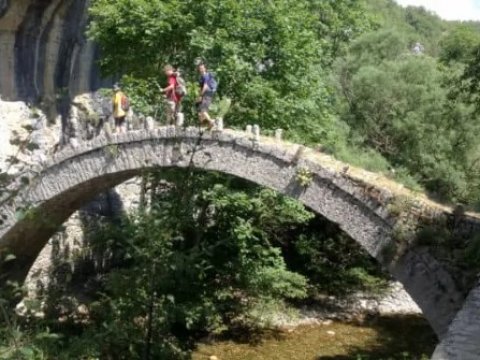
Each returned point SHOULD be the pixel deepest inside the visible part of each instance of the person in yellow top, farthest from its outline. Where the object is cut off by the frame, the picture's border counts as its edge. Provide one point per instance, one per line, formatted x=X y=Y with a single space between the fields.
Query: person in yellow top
x=119 y=111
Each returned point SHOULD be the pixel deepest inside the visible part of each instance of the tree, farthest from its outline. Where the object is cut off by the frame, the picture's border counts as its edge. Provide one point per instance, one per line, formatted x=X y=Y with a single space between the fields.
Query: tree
x=339 y=22
x=458 y=44
x=470 y=79
x=427 y=27
x=201 y=260
x=400 y=105
x=271 y=66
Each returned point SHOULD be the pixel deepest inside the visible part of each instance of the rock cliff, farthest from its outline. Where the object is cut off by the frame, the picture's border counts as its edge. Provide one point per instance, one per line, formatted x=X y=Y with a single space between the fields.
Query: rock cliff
x=47 y=74
x=44 y=51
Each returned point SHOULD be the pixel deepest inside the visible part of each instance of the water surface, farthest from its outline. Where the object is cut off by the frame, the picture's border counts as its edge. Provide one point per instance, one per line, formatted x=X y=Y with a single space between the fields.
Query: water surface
x=385 y=338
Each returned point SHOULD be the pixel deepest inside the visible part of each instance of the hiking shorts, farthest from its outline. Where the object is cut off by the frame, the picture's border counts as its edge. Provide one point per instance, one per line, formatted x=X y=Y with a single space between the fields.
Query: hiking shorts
x=204 y=105
x=173 y=107
x=120 y=121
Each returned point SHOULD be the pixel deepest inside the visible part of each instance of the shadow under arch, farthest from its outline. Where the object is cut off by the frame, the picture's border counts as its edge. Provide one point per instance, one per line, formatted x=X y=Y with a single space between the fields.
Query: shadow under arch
x=75 y=175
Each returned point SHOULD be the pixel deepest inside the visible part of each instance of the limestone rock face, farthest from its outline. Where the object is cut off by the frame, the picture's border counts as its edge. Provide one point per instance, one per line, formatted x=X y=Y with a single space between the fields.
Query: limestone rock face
x=12 y=116
x=47 y=81
x=18 y=121
x=44 y=51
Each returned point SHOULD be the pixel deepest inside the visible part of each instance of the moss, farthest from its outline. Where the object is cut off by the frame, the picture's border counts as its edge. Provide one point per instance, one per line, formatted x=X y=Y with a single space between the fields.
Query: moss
x=402 y=233
x=112 y=151
x=400 y=205
x=304 y=177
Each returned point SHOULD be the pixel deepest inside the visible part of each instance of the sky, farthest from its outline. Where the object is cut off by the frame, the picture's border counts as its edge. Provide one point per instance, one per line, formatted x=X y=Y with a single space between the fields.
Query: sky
x=449 y=9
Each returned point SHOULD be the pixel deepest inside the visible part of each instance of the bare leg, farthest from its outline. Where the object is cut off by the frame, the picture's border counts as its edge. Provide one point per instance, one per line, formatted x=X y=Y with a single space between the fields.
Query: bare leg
x=120 y=125
x=205 y=117
x=170 y=112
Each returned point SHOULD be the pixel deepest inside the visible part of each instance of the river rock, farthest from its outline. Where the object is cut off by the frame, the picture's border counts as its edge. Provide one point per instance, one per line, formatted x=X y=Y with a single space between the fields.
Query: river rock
x=397 y=302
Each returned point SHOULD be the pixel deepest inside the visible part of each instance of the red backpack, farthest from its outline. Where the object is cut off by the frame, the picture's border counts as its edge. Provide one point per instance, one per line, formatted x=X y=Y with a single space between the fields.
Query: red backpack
x=125 y=103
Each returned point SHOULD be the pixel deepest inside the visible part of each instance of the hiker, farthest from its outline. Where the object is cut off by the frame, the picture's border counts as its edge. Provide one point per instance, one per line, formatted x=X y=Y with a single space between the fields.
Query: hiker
x=418 y=49
x=208 y=87
x=174 y=93
x=120 y=107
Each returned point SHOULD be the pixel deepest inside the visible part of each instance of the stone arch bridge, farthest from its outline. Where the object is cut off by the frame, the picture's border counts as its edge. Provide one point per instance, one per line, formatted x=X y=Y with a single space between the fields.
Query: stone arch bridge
x=371 y=209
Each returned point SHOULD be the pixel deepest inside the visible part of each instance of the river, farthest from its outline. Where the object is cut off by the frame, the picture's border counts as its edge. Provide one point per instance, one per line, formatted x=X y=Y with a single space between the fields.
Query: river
x=400 y=337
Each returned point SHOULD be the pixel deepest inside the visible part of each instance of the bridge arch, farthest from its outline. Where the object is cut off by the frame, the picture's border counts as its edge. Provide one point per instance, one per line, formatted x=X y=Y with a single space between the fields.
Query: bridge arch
x=76 y=174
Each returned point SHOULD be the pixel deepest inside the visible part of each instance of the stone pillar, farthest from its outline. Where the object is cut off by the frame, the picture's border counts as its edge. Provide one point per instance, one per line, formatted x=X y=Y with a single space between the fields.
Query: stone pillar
x=278 y=134
x=149 y=123
x=219 y=124
x=256 y=132
x=180 y=119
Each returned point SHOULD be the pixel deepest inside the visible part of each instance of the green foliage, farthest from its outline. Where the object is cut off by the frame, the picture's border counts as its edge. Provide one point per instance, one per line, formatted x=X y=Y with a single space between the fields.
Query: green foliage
x=469 y=83
x=400 y=206
x=397 y=104
x=410 y=109
x=332 y=262
x=427 y=27
x=458 y=44
x=144 y=95
x=200 y=260
x=362 y=157
x=270 y=66
x=396 y=109
x=375 y=47
x=415 y=23
x=304 y=177
x=209 y=254
x=339 y=22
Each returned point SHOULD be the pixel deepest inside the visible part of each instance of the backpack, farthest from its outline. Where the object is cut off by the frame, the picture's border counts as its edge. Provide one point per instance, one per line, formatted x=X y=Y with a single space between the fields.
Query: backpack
x=125 y=103
x=181 y=87
x=212 y=83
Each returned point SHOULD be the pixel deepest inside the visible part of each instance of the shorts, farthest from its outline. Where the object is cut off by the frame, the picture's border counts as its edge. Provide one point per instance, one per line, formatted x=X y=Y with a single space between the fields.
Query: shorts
x=204 y=105
x=120 y=121
x=173 y=107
